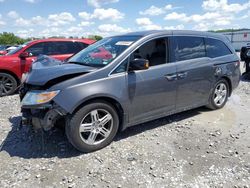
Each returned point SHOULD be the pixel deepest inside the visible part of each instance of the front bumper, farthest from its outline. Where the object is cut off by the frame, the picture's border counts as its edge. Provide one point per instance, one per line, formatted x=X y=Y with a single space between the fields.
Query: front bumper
x=43 y=117
x=39 y=116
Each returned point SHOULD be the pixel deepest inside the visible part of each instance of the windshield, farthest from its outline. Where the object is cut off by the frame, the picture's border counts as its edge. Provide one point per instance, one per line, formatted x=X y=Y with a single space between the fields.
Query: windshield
x=104 y=51
x=18 y=48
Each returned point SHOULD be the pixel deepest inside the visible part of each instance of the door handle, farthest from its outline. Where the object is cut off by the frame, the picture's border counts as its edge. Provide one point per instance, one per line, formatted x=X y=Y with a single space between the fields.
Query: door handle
x=171 y=77
x=182 y=75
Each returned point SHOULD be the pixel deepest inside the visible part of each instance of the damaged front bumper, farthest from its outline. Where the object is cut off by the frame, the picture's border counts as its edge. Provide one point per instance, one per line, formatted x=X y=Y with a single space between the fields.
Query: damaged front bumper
x=44 y=116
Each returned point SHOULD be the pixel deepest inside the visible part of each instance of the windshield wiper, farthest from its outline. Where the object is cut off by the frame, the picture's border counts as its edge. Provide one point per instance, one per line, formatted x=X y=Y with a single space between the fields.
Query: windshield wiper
x=79 y=63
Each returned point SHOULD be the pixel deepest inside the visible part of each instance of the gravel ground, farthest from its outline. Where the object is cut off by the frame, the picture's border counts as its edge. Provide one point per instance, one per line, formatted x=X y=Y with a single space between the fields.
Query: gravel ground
x=197 y=148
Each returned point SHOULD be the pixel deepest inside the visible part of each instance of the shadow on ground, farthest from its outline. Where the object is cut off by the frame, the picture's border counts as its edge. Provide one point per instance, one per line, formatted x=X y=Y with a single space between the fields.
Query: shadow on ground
x=26 y=143
x=245 y=77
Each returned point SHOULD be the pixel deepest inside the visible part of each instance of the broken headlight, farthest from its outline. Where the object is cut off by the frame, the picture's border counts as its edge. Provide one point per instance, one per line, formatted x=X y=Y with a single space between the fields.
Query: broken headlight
x=38 y=97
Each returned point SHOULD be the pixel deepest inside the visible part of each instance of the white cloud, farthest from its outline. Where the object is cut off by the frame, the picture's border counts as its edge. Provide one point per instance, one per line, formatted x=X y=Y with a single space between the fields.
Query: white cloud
x=143 y=21
x=85 y=24
x=102 y=14
x=176 y=16
x=75 y=31
x=52 y=20
x=13 y=14
x=177 y=27
x=151 y=27
x=99 y=3
x=25 y=33
x=1 y=1
x=36 y=20
x=155 y=11
x=84 y=15
x=22 y=22
x=63 y=18
x=222 y=5
x=212 y=17
x=110 y=28
x=219 y=14
x=2 y=23
x=147 y=24
x=109 y=13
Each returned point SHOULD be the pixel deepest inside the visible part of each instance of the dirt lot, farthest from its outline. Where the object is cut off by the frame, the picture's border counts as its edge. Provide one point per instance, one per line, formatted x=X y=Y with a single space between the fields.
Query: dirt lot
x=198 y=148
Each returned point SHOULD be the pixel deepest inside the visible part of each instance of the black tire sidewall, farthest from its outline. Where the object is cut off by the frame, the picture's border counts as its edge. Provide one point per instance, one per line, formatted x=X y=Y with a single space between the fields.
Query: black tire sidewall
x=14 y=82
x=212 y=103
x=73 y=123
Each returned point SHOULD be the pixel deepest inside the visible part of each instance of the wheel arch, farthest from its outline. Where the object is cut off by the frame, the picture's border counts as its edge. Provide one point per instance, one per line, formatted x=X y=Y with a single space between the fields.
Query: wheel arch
x=12 y=74
x=229 y=83
x=118 y=107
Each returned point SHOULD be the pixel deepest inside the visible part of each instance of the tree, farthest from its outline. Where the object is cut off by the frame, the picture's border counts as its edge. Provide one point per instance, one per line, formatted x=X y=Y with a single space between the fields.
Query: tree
x=95 y=37
x=11 y=39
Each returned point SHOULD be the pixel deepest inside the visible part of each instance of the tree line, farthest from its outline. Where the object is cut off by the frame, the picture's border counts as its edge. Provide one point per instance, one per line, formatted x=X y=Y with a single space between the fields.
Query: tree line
x=11 y=39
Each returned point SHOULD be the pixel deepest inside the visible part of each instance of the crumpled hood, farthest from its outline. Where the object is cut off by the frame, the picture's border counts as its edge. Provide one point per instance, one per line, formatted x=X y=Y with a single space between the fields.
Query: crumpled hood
x=45 y=69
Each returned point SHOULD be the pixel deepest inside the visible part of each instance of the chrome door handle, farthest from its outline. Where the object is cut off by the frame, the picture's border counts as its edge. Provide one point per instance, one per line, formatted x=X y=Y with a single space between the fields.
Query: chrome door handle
x=171 y=77
x=182 y=75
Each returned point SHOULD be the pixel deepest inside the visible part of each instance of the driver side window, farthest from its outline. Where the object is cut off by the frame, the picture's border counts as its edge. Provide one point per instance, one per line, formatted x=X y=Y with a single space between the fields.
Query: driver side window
x=37 y=49
x=155 y=51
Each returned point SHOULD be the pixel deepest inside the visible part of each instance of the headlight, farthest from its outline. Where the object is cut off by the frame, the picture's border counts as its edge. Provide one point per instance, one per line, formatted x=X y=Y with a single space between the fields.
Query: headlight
x=38 y=97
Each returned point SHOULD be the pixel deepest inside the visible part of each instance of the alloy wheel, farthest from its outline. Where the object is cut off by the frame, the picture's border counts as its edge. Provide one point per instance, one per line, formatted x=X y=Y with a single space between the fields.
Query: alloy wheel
x=6 y=85
x=220 y=94
x=96 y=126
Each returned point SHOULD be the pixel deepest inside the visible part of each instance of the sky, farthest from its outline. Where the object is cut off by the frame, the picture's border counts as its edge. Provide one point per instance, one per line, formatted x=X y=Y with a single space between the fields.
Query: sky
x=46 y=18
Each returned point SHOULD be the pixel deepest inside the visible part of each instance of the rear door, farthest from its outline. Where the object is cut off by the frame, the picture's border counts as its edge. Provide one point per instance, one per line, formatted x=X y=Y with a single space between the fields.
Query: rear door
x=63 y=49
x=152 y=92
x=195 y=71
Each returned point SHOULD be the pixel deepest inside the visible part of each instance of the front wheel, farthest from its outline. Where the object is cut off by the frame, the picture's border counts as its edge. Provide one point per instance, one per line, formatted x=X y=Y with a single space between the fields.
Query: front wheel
x=8 y=84
x=219 y=96
x=92 y=127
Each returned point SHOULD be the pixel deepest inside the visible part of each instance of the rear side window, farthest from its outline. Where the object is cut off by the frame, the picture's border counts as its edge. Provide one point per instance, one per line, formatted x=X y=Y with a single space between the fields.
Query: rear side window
x=216 y=48
x=186 y=47
x=56 y=48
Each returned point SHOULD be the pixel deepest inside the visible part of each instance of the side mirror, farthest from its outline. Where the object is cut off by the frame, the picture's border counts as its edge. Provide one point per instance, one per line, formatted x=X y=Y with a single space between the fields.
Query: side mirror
x=24 y=55
x=138 y=64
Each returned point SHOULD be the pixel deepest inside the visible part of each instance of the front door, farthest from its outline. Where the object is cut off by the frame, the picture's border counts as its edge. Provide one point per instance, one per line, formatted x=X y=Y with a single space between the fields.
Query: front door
x=152 y=92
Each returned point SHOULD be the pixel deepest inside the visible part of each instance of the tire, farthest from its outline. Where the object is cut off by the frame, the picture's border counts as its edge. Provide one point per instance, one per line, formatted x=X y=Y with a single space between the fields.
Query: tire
x=212 y=104
x=8 y=84
x=94 y=125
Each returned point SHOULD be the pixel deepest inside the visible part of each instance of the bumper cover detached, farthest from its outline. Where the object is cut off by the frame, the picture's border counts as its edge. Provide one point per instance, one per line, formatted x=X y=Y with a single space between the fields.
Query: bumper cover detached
x=39 y=117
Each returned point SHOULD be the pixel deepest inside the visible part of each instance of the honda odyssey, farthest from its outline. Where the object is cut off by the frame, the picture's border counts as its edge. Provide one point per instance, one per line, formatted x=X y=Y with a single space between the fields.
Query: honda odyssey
x=124 y=80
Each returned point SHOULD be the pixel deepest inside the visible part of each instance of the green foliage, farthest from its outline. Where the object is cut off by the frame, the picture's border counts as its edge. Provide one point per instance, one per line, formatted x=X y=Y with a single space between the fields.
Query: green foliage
x=11 y=39
x=227 y=30
x=95 y=37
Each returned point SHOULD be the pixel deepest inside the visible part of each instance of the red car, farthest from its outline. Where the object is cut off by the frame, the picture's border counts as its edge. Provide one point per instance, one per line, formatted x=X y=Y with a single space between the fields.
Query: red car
x=102 y=54
x=18 y=61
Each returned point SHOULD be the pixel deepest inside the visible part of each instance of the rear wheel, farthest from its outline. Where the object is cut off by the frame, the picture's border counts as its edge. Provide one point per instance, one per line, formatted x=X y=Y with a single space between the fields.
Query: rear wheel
x=219 y=96
x=92 y=127
x=8 y=84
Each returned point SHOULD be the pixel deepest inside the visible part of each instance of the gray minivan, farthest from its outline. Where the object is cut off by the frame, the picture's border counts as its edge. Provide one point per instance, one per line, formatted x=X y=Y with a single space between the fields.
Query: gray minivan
x=124 y=80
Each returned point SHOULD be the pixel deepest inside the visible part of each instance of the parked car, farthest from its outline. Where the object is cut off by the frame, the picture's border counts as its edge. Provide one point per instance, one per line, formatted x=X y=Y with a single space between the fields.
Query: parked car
x=11 y=48
x=245 y=56
x=151 y=74
x=3 y=50
x=19 y=60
